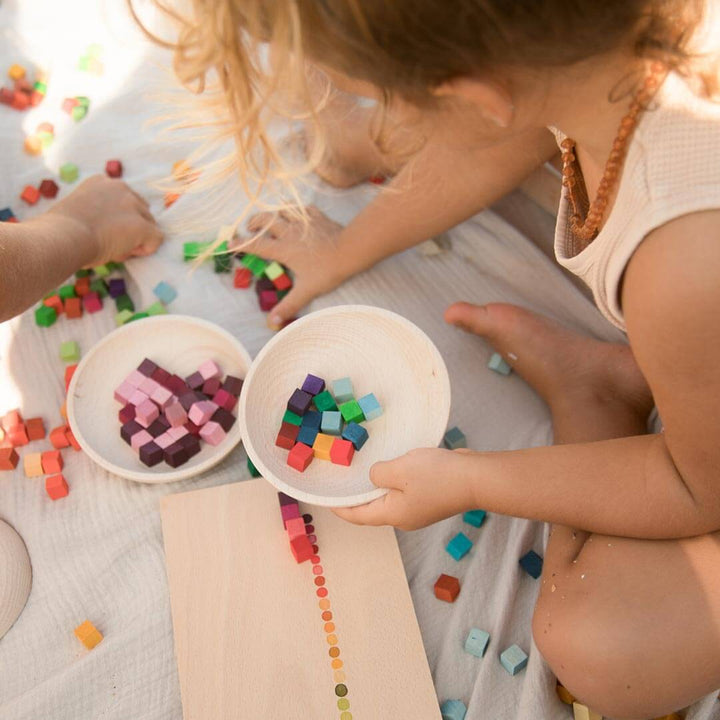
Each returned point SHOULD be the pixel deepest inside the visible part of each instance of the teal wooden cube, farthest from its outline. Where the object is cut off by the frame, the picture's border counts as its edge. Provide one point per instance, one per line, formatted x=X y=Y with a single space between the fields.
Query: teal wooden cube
x=351 y=412
x=514 y=659
x=164 y=292
x=370 y=406
x=343 y=390
x=453 y=710
x=474 y=517
x=324 y=401
x=69 y=351
x=532 y=564
x=292 y=418
x=454 y=439
x=331 y=423
x=356 y=434
x=45 y=316
x=477 y=642
x=499 y=365
x=459 y=546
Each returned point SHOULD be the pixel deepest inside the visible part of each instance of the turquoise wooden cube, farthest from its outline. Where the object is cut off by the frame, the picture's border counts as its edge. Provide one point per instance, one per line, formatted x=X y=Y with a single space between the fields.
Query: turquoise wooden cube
x=343 y=390
x=454 y=439
x=324 y=401
x=513 y=659
x=474 y=517
x=351 y=412
x=69 y=351
x=164 y=292
x=356 y=434
x=499 y=365
x=477 y=642
x=453 y=710
x=532 y=564
x=307 y=435
x=459 y=546
x=332 y=422
x=370 y=406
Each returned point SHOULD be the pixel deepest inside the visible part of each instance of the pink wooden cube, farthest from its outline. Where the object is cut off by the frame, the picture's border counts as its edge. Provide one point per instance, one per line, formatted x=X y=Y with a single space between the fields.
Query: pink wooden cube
x=140 y=439
x=124 y=392
x=92 y=302
x=202 y=411
x=175 y=414
x=138 y=398
x=209 y=369
x=148 y=386
x=295 y=527
x=289 y=512
x=164 y=440
x=162 y=397
x=135 y=378
x=177 y=432
x=224 y=399
x=146 y=413
x=212 y=433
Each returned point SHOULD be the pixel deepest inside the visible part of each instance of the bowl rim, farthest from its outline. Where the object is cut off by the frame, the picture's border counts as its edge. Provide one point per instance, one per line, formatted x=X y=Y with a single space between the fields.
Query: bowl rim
x=147 y=476
x=279 y=484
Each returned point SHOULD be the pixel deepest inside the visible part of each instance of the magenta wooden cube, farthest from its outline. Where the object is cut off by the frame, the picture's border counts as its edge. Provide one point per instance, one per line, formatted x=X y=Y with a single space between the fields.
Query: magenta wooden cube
x=164 y=441
x=177 y=385
x=210 y=369
x=268 y=299
x=162 y=397
x=233 y=385
x=191 y=444
x=313 y=385
x=202 y=411
x=126 y=414
x=195 y=381
x=140 y=439
x=135 y=378
x=124 y=392
x=288 y=512
x=176 y=455
x=212 y=433
x=138 y=398
x=147 y=367
x=299 y=458
x=129 y=430
x=222 y=398
x=211 y=386
x=175 y=414
x=148 y=386
x=151 y=454
x=192 y=428
x=299 y=402
x=146 y=413
x=224 y=418
x=91 y=302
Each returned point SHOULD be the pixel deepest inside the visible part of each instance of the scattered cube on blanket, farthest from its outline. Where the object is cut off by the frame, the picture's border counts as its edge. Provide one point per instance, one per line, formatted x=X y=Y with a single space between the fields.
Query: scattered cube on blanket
x=447 y=588
x=454 y=439
x=325 y=402
x=242 y=278
x=342 y=390
x=164 y=292
x=499 y=365
x=267 y=299
x=48 y=188
x=70 y=351
x=18 y=437
x=474 y=517
x=6 y=215
x=58 y=437
x=459 y=546
x=35 y=428
x=33 y=145
x=565 y=695
x=255 y=264
x=583 y=712
x=10 y=420
x=300 y=458
x=532 y=564
x=274 y=270
x=16 y=72
x=356 y=434
x=30 y=195
x=332 y=422
x=370 y=406
x=351 y=412
x=116 y=288
x=52 y=462
x=92 y=302
x=55 y=302
x=45 y=316
x=56 y=487
x=74 y=444
x=82 y=286
x=299 y=402
x=341 y=452
x=114 y=168
x=322 y=446
x=307 y=435
x=32 y=465
x=222 y=262
x=69 y=172
x=88 y=635
x=476 y=642
x=514 y=659
x=282 y=283
x=73 y=307
x=8 y=458
x=453 y=710
x=66 y=291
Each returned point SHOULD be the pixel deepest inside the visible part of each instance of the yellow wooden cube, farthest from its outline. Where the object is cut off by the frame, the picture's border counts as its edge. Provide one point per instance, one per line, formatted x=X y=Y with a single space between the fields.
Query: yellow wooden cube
x=33 y=145
x=565 y=695
x=32 y=464
x=16 y=72
x=88 y=635
x=583 y=712
x=322 y=445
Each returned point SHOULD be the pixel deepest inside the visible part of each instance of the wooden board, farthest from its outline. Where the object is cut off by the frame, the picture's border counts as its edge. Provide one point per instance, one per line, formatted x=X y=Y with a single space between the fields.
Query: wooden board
x=250 y=639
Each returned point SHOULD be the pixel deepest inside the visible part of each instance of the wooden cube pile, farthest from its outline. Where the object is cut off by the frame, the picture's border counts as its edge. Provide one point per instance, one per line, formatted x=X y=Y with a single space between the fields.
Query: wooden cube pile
x=165 y=418
x=23 y=94
x=325 y=425
x=294 y=524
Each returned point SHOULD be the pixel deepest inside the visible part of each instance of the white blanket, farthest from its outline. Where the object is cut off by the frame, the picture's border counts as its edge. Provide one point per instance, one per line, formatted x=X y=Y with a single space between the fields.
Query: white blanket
x=98 y=553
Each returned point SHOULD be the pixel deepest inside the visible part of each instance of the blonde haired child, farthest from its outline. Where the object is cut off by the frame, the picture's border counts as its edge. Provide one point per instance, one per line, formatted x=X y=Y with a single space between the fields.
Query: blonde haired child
x=635 y=541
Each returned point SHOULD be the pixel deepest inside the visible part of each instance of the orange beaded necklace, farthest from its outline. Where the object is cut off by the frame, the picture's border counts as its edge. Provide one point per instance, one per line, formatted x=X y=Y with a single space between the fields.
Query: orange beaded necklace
x=586 y=230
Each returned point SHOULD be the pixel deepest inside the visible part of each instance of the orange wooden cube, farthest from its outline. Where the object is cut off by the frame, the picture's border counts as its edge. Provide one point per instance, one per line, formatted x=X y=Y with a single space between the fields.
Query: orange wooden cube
x=565 y=695
x=71 y=439
x=82 y=286
x=73 y=307
x=30 y=195
x=8 y=459
x=88 y=635
x=322 y=446
x=35 y=428
x=52 y=462
x=11 y=420
x=32 y=465
x=18 y=436
x=69 y=372
x=63 y=411
x=16 y=72
x=58 y=437
x=447 y=588
x=56 y=487
x=171 y=199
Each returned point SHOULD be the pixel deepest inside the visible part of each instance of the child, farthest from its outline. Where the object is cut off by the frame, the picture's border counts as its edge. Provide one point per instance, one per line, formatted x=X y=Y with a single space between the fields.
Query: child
x=633 y=627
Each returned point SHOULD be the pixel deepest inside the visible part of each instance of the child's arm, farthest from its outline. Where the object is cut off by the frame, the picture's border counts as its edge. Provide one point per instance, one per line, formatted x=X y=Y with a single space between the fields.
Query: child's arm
x=649 y=486
x=440 y=188
x=101 y=220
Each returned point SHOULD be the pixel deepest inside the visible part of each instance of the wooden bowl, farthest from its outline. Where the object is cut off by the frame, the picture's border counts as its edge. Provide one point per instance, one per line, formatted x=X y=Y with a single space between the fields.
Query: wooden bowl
x=382 y=353
x=179 y=344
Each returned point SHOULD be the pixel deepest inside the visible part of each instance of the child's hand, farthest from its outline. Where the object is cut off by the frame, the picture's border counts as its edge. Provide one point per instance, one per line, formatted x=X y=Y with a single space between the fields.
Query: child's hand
x=425 y=485
x=309 y=250
x=113 y=220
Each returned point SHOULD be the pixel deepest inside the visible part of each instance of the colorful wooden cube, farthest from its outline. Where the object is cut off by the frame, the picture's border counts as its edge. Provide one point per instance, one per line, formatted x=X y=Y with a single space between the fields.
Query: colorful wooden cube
x=514 y=659
x=370 y=406
x=351 y=412
x=140 y=438
x=224 y=418
x=56 y=487
x=147 y=412
x=32 y=465
x=474 y=517
x=69 y=172
x=476 y=642
x=8 y=458
x=212 y=433
x=287 y=436
x=322 y=446
x=35 y=428
x=499 y=365
x=341 y=452
x=51 y=461
x=129 y=430
x=69 y=372
x=191 y=443
x=222 y=398
x=45 y=316
x=151 y=454
x=210 y=369
x=532 y=564
x=342 y=390
x=325 y=402
x=568 y=698
x=332 y=422
x=48 y=188
x=288 y=512
x=274 y=270
x=164 y=292
x=11 y=420
x=313 y=385
x=356 y=434
x=292 y=418
x=268 y=299
x=307 y=435
x=16 y=72
x=447 y=588
x=73 y=307
x=200 y=412
x=453 y=710
x=176 y=454
x=211 y=386
x=299 y=402
x=454 y=439
x=254 y=472
x=55 y=302
x=113 y=168
x=583 y=712
x=282 y=283
x=157 y=308
x=117 y=288
x=255 y=264
x=243 y=278
x=301 y=548
x=88 y=635
x=74 y=444
x=92 y=302
x=459 y=546
x=176 y=415
x=69 y=351
x=299 y=458
x=58 y=437
x=30 y=195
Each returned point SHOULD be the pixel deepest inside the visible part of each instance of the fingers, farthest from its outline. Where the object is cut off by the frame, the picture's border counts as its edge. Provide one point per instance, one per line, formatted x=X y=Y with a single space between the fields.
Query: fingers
x=289 y=307
x=468 y=317
x=152 y=239
x=263 y=245
x=274 y=224
x=389 y=474
x=373 y=513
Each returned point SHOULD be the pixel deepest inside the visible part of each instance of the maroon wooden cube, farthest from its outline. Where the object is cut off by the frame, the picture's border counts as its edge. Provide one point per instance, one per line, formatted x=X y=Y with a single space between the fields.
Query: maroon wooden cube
x=176 y=455
x=177 y=385
x=126 y=414
x=286 y=499
x=151 y=454
x=129 y=429
x=192 y=428
x=188 y=399
x=195 y=381
x=158 y=427
x=48 y=188
x=160 y=376
x=287 y=437
x=264 y=284
x=147 y=367
x=114 y=168
x=191 y=443
x=233 y=385
x=224 y=418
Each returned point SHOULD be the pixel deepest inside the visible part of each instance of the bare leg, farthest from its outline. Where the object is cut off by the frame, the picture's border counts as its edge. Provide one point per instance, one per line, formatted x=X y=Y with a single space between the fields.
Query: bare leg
x=631 y=627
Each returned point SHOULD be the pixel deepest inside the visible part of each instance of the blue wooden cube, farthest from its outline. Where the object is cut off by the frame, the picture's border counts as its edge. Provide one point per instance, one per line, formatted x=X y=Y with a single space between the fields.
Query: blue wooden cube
x=453 y=710
x=474 y=517
x=499 y=365
x=312 y=419
x=477 y=642
x=164 y=292
x=532 y=564
x=342 y=390
x=332 y=422
x=307 y=435
x=370 y=406
x=513 y=659
x=459 y=546
x=356 y=434
x=454 y=439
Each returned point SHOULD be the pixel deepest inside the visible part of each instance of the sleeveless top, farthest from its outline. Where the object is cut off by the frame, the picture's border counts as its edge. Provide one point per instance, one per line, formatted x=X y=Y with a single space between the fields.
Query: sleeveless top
x=672 y=168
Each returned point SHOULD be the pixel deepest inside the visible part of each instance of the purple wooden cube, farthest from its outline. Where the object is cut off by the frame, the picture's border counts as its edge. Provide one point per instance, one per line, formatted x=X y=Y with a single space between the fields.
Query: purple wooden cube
x=264 y=284
x=299 y=402
x=116 y=287
x=224 y=418
x=151 y=454
x=126 y=414
x=286 y=499
x=233 y=385
x=147 y=367
x=313 y=385
x=191 y=444
x=176 y=455
x=188 y=399
x=128 y=430
x=195 y=381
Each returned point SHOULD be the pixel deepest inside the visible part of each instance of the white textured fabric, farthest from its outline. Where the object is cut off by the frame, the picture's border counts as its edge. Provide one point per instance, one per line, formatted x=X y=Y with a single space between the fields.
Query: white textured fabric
x=672 y=169
x=98 y=553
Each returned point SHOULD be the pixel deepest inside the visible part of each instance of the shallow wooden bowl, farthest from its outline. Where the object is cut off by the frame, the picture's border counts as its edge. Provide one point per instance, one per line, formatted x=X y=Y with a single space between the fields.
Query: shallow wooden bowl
x=382 y=353
x=179 y=344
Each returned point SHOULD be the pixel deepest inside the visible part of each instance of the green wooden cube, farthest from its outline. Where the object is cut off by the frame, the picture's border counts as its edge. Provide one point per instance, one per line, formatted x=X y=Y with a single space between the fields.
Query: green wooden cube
x=256 y=265
x=157 y=308
x=83 y=63
x=67 y=291
x=69 y=351
x=351 y=411
x=102 y=270
x=274 y=270
x=223 y=263
x=69 y=172
x=98 y=285
x=254 y=472
x=138 y=316
x=83 y=272
x=41 y=87
x=123 y=316
x=292 y=418
x=324 y=401
x=124 y=302
x=45 y=316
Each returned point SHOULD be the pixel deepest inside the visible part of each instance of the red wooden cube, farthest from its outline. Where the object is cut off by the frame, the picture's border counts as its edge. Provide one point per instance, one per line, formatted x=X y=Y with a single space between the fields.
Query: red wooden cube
x=18 y=436
x=82 y=286
x=55 y=302
x=58 y=437
x=70 y=103
x=56 y=487
x=342 y=451
x=35 y=428
x=69 y=372
x=243 y=278
x=8 y=459
x=447 y=588
x=73 y=307
x=30 y=195
x=300 y=457
x=114 y=168
x=20 y=101
x=71 y=439
x=301 y=548
x=287 y=437
x=52 y=461
x=48 y=188
x=282 y=282
x=6 y=96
